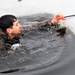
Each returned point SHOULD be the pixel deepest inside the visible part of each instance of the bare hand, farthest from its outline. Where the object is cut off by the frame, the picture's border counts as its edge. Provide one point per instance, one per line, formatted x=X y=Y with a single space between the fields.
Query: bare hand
x=57 y=18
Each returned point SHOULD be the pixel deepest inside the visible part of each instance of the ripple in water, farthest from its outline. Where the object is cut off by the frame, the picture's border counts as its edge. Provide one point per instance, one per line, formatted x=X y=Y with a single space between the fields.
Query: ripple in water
x=40 y=48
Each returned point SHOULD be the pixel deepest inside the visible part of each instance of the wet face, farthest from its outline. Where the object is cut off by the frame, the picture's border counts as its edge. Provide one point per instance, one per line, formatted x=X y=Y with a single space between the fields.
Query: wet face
x=15 y=29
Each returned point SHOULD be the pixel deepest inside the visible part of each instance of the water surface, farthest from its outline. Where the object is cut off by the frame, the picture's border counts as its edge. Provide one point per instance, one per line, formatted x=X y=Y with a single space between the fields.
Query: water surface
x=40 y=48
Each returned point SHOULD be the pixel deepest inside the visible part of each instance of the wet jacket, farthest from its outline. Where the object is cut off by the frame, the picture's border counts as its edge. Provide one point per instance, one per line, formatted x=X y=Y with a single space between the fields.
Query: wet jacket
x=42 y=26
x=6 y=42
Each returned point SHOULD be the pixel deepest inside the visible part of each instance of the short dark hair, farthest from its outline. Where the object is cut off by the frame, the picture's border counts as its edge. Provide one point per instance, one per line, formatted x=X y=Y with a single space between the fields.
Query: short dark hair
x=6 y=21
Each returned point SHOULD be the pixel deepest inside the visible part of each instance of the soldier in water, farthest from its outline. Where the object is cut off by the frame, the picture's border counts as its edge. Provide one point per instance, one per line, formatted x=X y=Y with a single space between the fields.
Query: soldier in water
x=10 y=29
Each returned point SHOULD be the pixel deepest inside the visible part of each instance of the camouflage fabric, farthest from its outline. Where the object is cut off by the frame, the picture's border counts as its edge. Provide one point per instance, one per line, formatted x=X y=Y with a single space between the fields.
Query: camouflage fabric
x=2 y=45
x=6 y=42
x=42 y=26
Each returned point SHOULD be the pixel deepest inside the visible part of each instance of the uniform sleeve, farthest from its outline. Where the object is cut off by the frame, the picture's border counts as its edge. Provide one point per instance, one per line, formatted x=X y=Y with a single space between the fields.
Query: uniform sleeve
x=28 y=27
x=42 y=26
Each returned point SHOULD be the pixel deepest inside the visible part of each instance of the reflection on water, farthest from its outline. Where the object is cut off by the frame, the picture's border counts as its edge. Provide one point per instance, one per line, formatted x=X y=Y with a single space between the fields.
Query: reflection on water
x=40 y=48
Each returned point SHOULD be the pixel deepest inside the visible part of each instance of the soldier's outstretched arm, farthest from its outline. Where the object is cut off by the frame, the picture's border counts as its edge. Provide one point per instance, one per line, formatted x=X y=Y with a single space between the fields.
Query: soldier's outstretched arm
x=49 y=21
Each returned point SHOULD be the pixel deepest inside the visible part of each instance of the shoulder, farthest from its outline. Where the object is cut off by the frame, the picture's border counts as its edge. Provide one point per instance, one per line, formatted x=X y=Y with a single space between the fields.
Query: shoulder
x=2 y=44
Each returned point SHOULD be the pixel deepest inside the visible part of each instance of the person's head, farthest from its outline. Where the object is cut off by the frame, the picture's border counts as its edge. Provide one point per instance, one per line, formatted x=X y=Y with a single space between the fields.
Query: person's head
x=10 y=25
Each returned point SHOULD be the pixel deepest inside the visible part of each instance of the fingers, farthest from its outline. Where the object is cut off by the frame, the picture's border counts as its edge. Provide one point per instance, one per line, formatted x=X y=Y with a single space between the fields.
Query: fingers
x=59 y=17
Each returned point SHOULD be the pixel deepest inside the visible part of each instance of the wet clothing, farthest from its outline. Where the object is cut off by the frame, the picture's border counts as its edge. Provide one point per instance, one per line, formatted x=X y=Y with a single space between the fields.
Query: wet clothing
x=43 y=26
x=6 y=42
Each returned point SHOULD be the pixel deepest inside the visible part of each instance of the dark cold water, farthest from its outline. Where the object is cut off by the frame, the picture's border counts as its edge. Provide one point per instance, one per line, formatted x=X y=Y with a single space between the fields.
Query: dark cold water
x=40 y=48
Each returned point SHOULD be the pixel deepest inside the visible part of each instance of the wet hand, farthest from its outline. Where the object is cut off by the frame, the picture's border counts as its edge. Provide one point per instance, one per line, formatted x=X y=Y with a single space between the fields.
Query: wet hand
x=57 y=18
